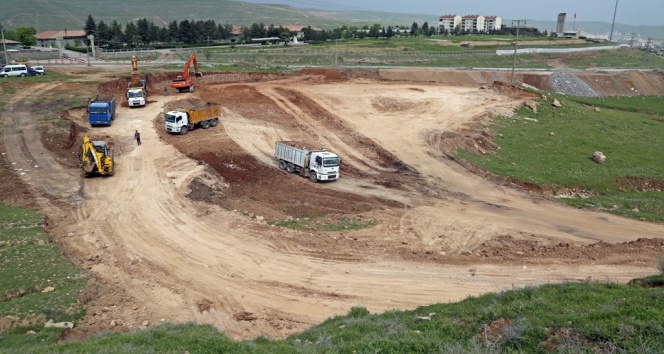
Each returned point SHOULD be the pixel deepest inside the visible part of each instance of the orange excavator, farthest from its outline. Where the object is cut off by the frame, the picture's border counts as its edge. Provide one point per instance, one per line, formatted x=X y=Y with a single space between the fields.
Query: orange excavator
x=185 y=82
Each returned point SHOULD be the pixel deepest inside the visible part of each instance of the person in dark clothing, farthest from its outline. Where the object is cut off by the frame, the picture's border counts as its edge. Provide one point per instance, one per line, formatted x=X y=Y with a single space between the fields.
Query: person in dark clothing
x=137 y=136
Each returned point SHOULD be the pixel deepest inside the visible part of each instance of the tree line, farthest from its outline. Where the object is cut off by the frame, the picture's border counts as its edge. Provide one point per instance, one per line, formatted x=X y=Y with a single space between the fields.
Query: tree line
x=191 y=32
x=145 y=32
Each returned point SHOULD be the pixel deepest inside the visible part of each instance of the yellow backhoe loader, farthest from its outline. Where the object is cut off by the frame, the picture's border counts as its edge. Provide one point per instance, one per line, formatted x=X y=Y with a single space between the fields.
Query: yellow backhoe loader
x=96 y=157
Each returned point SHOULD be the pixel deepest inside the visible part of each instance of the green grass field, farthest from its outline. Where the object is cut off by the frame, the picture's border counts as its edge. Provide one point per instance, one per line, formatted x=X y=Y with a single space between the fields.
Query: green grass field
x=38 y=283
x=625 y=59
x=419 y=52
x=628 y=130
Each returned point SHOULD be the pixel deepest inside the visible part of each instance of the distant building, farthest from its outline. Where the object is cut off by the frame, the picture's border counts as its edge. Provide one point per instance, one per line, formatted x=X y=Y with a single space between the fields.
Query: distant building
x=471 y=23
x=448 y=22
x=560 y=26
x=10 y=44
x=492 y=23
x=49 y=38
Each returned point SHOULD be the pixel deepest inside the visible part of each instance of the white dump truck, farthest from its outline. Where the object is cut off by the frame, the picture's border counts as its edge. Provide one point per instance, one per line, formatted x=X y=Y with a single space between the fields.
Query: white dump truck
x=183 y=120
x=318 y=165
x=137 y=94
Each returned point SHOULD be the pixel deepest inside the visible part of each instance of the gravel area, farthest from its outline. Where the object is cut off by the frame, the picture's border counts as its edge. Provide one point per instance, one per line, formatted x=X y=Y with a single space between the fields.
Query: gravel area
x=571 y=85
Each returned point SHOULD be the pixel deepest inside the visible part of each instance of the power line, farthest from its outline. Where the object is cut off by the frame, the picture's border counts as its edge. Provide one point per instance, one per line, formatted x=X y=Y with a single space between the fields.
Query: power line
x=614 y=22
x=516 y=44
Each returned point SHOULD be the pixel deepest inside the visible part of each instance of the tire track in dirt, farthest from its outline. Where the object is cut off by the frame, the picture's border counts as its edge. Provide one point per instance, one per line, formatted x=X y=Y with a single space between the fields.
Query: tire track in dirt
x=48 y=180
x=313 y=127
x=507 y=210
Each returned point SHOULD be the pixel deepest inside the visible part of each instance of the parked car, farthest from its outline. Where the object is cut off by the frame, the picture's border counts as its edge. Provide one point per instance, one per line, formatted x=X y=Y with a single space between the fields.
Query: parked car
x=32 y=72
x=14 y=70
x=39 y=69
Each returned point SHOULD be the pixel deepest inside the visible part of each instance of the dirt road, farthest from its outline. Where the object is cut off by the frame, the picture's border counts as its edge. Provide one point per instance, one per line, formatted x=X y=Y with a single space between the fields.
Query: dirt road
x=160 y=252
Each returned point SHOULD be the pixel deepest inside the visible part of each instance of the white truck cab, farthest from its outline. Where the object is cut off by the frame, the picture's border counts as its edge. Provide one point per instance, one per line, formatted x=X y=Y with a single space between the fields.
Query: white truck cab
x=318 y=165
x=136 y=97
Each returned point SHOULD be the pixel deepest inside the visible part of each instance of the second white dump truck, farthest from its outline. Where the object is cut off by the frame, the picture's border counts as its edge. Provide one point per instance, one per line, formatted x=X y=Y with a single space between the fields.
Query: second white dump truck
x=318 y=165
x=183 y=120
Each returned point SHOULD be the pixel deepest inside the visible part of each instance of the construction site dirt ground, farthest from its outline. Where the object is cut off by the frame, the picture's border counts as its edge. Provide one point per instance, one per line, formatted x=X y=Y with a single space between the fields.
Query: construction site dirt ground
x=180 y=233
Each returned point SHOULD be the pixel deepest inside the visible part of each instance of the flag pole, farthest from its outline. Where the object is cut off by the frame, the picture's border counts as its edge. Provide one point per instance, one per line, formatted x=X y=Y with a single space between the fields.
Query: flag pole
x=574 y=28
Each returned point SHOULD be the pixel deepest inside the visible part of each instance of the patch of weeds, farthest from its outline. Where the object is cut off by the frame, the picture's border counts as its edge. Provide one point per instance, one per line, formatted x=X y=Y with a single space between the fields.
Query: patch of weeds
x=8 y=90
x=324 y=224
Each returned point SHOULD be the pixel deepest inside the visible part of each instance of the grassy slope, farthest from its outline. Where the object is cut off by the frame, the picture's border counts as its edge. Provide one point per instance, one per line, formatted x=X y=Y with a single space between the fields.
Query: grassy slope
x=628 y=130
x=573 y=317
x=30 y=264
x=71 y=14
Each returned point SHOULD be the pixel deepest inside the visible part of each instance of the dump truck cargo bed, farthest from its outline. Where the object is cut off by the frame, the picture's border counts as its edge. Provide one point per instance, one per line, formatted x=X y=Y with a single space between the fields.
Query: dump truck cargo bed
x=203 y=112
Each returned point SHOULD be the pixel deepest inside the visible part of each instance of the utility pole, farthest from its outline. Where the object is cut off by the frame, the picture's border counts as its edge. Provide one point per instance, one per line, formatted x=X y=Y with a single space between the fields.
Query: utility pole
x=336 y=45
x=646 y=54
x=4 y=46
x=614 y=22
x=632 y=38
x=516 y=44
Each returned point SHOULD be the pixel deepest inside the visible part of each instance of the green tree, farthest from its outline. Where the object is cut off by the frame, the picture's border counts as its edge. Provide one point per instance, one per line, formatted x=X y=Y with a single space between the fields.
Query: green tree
x=414 y=29
x=153 y=33
x=131 y=34
x=390 y=32
x=286 y=36
x=104 y=34
x=174 y=31
x=143 y=30
x=25 y=35
x=90 y=27
x=374 y=31
x=185 y=33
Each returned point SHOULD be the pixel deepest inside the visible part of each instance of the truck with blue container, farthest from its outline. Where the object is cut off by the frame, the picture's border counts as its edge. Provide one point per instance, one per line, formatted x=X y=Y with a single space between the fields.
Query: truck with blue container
x=101 y=110
x=318 y=165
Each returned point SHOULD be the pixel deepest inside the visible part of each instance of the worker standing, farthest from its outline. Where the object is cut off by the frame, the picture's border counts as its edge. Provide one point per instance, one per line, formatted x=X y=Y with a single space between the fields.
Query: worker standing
x=165 y=92
x=137 y=136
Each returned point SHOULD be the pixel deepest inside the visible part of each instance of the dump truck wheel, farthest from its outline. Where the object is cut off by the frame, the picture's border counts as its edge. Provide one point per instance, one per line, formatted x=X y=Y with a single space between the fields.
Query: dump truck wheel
x=214 y=122
x=205 y=124
x=184 y=130
x=290 y=168
x=312 y=177
x=282 y=164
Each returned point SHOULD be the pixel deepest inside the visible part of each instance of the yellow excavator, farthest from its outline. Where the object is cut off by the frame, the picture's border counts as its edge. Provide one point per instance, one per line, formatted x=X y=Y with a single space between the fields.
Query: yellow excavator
x=96 y=157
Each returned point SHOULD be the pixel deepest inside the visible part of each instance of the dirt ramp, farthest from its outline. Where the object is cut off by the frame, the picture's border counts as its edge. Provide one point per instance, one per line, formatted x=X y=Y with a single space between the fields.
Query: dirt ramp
x=446 y=77
x=626 y=83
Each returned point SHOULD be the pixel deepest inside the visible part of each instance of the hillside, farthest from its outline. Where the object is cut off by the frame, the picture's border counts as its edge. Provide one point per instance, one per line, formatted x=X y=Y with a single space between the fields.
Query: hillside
x=71 y=14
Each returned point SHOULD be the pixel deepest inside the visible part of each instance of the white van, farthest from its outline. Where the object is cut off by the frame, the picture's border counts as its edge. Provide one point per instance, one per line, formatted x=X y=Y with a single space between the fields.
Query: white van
x=14 y=70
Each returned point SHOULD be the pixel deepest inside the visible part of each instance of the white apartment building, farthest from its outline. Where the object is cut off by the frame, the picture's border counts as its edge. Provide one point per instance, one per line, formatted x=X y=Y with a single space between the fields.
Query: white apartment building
x=492 y=23
x=448 y=22
x=469 y=23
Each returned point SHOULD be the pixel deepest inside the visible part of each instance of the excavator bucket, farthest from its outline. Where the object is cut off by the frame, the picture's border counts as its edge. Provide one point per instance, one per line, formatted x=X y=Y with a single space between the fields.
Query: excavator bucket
x=198 y=74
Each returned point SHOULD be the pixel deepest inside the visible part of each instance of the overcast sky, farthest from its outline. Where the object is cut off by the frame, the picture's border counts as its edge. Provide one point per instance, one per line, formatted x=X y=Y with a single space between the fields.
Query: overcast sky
x=632 y=12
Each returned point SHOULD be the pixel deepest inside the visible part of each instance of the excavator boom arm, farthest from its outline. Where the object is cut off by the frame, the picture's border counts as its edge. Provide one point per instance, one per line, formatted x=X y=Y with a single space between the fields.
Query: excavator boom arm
x=187 y=65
